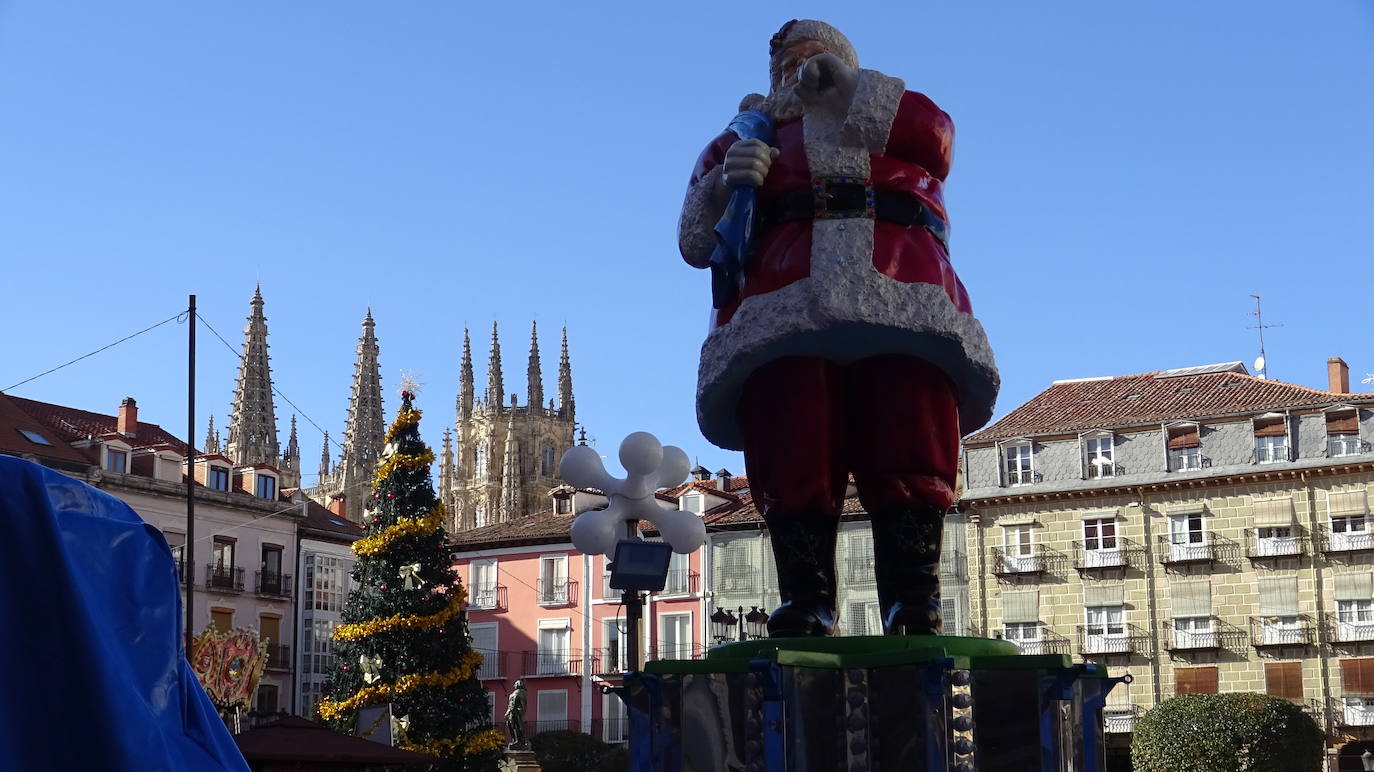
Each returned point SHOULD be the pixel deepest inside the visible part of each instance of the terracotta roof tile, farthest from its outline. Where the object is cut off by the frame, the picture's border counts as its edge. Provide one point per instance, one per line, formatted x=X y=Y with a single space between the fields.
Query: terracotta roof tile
x=1152 y=398
x=541 y=527
x=73 y=424
x=14 y=420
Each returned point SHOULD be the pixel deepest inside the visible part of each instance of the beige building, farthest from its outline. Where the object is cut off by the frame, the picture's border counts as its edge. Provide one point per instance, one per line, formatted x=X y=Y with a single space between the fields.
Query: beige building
x=1203 y=529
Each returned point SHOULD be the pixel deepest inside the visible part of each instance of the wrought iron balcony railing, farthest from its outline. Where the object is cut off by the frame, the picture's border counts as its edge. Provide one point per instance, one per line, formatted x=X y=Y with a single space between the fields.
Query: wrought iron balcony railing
x=1345 y=541
x=1257 y=548
x=1018 y=562
x=278 y=656
x=1121 y=554
x=1023 y=477
x=1292 y=630
x=223 y=578
x=491 y=666
x=1336 y=447
x=678 y=651
x=552 y=663
x=1120 y=719
x=273 y=583
x=611 y=730
x=1347 y=630
x=1198 y=547
x=737 y=579
x=556 y=592
x=859 y=570
x=1112 y=639
x=954 y=564
x=680 y=581
x=488 y=598
x=1050 y=643
x=1216 y=635
x=1353 y=711
x=610 y=660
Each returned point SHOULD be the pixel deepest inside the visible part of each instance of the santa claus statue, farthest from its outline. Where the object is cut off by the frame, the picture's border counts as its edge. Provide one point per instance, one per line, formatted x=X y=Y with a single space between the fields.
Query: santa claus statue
x=850 y=346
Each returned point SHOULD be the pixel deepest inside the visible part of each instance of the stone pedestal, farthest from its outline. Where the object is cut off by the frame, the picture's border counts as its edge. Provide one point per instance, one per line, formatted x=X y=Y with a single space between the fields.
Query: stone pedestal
x=520 y=761
x=918 y=703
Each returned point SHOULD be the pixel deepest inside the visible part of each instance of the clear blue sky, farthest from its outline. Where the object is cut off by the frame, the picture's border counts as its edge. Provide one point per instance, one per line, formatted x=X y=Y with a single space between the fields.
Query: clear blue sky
x=1125 y=176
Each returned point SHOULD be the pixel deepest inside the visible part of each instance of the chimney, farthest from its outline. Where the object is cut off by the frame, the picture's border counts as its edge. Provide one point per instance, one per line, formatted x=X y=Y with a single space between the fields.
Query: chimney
x=127 y=423
x=338 y=505
x=1337 y=376
x=723 y=479
x=700 y=473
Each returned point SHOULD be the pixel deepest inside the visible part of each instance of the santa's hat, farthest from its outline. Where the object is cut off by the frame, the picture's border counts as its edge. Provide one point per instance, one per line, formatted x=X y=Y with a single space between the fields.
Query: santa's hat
x=809 y=29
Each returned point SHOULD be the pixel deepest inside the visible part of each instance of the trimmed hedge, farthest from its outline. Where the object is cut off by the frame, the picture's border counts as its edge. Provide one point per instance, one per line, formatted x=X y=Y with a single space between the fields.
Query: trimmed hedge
x=1227 y=733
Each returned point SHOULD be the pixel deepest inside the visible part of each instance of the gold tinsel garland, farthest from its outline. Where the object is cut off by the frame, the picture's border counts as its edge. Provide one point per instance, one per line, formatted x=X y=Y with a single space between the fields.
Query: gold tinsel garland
x=329 y=709
x=404 y=420
x=405 y=526
x=488 y=740
x=402 y=461
x=374 y=626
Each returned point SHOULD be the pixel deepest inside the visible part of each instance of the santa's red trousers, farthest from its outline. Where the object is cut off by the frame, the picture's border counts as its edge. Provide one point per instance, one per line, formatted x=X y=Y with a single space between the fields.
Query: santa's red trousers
x=892 y=421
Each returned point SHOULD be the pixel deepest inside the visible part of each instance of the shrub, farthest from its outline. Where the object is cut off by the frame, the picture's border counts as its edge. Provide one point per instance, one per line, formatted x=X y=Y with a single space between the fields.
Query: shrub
x=562 y=750
x=617 y=759
x=1227 y=733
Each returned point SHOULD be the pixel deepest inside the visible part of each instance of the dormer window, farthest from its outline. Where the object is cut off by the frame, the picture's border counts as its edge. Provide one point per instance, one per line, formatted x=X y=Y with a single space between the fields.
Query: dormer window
x=1019 y=463
x=1098 y=456
x=116 y=460
x=265 y=486
x=1185 y=447
x=218 y=478
x=546 y=460
x=1271 y=439
x=692 y=502
x=1342 y=433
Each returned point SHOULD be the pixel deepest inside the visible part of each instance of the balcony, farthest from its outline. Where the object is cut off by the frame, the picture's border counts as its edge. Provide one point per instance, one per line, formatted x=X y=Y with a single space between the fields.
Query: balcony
x=858 y=570
x=680 y=581
x=1120 y=719
x=678 y=651
x=1273 y=547
x=1267 y=632
x=1050 y=642
x=1338 y=446
x=1112 y=639
x=551 y=663
x=1189 y=549
x=1026 y=561
x=1219 y=636
x=491 y=665
x=491 y=598
x=1347 y=541
x=1119 y=556
x=272 y=583
x=278 y=657
x=1354 y=711
x=556 y=592
x=737 y=580
x=223 y=578
x=607 y=591
x=610 y=661
x=181 y=571
x=1348 y=630
x=1019 y=477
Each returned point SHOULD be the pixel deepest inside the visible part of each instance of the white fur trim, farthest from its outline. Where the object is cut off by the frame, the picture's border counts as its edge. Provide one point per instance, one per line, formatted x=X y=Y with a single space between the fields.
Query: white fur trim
x=696 y=227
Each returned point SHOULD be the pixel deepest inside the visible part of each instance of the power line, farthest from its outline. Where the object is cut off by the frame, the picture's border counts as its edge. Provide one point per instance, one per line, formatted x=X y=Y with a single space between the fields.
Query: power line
x=178 y=317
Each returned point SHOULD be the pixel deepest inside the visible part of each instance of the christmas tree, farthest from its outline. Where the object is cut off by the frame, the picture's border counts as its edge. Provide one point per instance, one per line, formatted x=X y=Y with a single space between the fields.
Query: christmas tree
x=404 y=638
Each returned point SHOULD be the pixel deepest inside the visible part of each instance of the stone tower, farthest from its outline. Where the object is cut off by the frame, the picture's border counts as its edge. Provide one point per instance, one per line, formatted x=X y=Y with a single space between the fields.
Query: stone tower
x=253 y=416
x=503 y=457
x=350 y=480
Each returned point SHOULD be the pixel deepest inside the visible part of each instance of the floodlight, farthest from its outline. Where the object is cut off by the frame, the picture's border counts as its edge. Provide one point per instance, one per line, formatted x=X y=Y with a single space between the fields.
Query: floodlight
x=640 y=565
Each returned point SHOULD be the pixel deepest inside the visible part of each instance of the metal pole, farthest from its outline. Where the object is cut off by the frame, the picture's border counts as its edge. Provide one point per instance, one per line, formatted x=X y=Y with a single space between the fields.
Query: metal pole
x=740 y=622
x=633 y=611
x=188 y=553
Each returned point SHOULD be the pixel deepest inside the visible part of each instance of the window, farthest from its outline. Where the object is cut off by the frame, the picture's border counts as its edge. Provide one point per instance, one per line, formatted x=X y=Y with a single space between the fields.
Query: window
x=267 y=698
x=679 y=579
x=1357 y=681
x=1195 y=680
x=551 y=710
x=1106 y=630
x=34 y=437
x=1099 y=457
x=1359 y=711
x=1350 y=533
x=1194 y=633
x=858 y=566
x=692 y=502
x=1283 y=680
x=615 y=724
x=675 y=636
x=552 y=656
x=479 y=515
x=1185 y=448
x=266 y=486
x=737 y=569
x=562 y=505
x=553 y=580
x=327 y=581
x=1342 y=433
x=1354 y=620
x=1019 y=548
x=484 y=641
x=546 y=460
x=222 y=619
x=479 y=462
x=116 y=460
x=222 y=553
x=1279 y=540
x=177 y=541
x=1187 y=539
x=1019 y=463
x=863 y=618
x=1100 y=546
x=615 y=658
x=484 y=584
x=270 y=580
x=1271 y=440
x=1026 y=636
x=219 y=478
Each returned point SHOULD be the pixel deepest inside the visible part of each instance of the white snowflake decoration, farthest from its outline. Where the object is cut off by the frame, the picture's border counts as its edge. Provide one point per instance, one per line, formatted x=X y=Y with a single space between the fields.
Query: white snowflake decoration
x=650 y=466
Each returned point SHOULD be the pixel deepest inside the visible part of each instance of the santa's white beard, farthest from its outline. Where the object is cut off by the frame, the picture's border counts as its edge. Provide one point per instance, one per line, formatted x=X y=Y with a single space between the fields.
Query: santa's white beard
x=782 y=104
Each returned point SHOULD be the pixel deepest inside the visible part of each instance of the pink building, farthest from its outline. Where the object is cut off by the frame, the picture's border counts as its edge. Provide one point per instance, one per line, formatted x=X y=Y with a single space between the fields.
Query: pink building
x=542 y=611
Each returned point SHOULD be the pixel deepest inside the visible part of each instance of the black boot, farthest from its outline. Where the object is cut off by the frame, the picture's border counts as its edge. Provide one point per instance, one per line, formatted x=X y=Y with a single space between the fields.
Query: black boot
x=804 y=551
x=906 y=556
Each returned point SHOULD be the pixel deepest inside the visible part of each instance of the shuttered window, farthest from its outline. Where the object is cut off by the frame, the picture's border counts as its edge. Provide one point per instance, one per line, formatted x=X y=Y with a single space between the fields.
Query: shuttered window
x=1191 y=598
x=1270 y=427
x=1021 y=606
x=1274 y=513
x=1097 y=595
x=1347 y=503
x=1278 y=596
x=1184 y=436
x=1357 y=676
x=1357 y=586
x=1344 y=422
x=1195 y=680
x=1283 y=680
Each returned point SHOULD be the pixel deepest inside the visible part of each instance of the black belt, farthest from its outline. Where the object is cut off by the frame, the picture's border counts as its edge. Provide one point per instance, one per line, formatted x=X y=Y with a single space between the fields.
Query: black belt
x=843 y=199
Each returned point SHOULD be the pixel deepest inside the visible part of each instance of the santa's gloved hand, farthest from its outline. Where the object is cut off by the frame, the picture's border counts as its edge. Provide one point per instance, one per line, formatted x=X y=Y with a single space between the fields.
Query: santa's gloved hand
x=825 y=81
x=747 y=163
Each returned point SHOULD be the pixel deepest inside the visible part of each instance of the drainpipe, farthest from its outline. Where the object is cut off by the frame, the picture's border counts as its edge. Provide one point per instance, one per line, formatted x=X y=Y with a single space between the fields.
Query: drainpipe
x=1151 y=603
x=976 y=520
x=1323 y=661
x=587 y=622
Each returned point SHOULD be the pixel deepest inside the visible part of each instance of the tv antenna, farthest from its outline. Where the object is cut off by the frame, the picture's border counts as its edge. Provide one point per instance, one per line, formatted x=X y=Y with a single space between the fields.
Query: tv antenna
x=1261 y=363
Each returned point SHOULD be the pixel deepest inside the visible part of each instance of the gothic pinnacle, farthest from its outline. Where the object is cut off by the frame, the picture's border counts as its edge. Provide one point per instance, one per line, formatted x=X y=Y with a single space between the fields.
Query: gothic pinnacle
x=465 y=380
x=324 y=460
x=211 y=441
x=253 y=418
x=364 y=427
x=534 y=379
x=496 y=388
x=566 y=406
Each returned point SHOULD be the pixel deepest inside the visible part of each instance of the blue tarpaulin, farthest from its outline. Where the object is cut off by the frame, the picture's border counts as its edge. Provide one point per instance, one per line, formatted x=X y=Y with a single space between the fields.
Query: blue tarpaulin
x=93 y=675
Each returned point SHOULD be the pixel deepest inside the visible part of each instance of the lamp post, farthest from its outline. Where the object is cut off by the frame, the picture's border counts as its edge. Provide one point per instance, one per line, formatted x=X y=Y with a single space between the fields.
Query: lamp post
x=1367 y=759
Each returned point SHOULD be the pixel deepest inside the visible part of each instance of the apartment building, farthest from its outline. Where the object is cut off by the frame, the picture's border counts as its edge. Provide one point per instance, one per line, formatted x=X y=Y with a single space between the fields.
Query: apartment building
x=1203 y=529
x=324 y=569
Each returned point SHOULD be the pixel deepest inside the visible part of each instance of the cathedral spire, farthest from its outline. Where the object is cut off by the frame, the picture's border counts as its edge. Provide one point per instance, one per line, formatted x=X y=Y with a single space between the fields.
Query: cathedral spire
x=566 y=405
x=324 y=460
x=512 y=484
x=534 y=379
x=211 y=438
x=253 y=417
x=465 y=380
x=446 y=469
x=496 y=387
x=364 y=428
